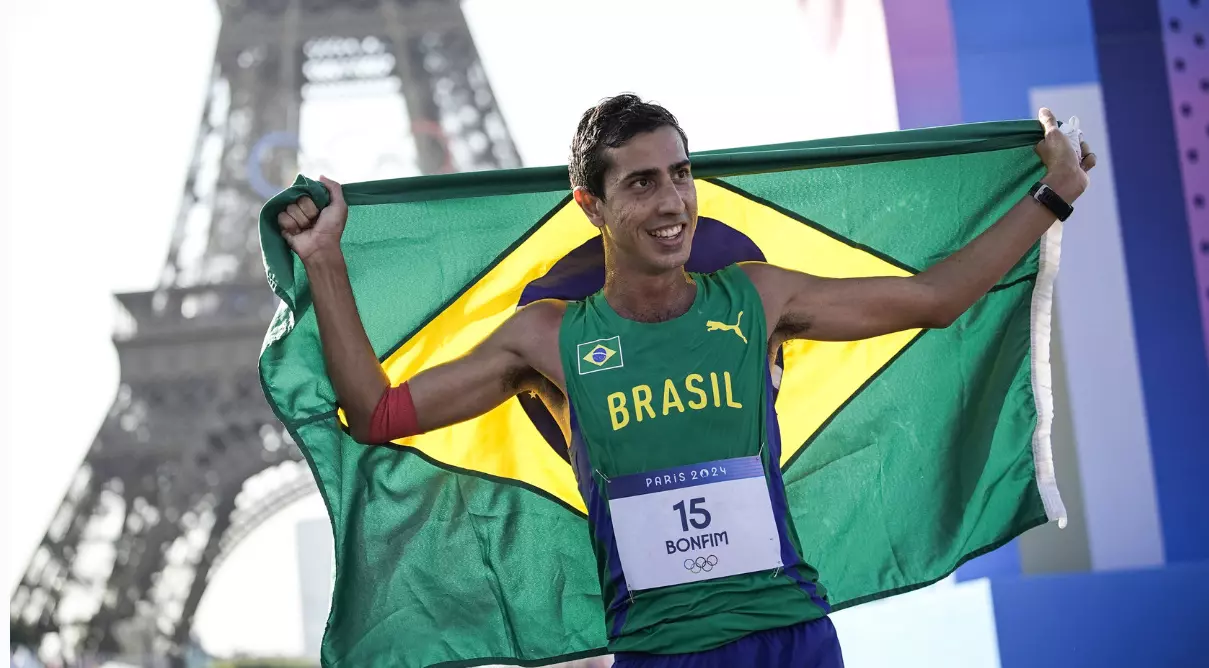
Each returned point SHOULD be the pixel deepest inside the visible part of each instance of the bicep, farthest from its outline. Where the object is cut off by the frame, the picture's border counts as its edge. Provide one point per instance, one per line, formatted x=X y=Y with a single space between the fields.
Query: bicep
x=850 y=309
x=469 y=386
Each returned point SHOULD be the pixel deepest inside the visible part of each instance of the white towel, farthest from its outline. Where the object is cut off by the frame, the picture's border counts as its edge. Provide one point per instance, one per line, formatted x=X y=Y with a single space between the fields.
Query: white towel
x=1074 y=135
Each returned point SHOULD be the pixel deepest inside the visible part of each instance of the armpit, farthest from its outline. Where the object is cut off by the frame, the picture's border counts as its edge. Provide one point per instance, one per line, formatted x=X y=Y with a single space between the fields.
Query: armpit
x=791 y=327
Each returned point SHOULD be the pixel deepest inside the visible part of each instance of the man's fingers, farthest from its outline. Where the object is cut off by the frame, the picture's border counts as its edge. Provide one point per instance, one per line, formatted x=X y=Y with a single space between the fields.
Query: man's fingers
x=1047 y=120
x=308 y=207
x=334 y=189
x=1089 y=161
x=299 y=217
x=287 y=223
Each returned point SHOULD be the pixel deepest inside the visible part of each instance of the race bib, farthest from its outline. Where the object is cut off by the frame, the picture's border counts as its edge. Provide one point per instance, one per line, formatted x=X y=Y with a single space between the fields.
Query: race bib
x=694 y=523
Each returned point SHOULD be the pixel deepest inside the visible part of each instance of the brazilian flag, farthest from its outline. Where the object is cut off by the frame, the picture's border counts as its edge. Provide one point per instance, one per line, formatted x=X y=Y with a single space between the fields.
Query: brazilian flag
x=904 y=455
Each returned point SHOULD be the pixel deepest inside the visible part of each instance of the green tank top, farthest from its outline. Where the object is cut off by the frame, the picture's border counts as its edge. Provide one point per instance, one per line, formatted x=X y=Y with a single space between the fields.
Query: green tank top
x=676 y=448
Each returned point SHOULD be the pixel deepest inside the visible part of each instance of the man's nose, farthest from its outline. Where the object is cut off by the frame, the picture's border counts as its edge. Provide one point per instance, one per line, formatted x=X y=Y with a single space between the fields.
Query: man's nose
x=671 y=200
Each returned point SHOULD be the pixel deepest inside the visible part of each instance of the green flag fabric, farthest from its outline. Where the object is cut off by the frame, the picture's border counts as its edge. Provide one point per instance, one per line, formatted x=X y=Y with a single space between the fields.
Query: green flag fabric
x=903 y=456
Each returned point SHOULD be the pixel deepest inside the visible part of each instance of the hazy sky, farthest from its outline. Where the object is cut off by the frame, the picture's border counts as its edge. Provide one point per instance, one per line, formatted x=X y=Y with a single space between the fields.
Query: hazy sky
x=103 y=112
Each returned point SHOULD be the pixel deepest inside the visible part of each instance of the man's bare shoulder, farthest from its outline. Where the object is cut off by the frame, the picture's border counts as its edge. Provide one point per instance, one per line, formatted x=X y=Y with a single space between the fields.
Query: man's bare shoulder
x=770 y=280
x=533 y=333
x=777 y=288
x=541 y=315
x=758 y=272
x=534 y=325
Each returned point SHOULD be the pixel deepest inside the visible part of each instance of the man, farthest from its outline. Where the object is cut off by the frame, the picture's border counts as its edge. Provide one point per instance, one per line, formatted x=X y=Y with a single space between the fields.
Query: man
x=732 y=588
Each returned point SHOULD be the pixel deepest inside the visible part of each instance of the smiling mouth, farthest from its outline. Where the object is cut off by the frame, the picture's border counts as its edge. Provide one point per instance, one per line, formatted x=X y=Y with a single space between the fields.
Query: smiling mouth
x=668 y=233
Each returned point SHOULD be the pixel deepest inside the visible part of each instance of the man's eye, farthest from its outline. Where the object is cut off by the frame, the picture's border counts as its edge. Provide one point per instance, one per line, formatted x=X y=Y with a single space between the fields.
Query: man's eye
x=683 y=173
x=642 y=183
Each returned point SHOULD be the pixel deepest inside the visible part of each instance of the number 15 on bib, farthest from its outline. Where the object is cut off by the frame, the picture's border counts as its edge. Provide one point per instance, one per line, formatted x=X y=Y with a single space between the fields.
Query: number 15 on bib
x=694 y=523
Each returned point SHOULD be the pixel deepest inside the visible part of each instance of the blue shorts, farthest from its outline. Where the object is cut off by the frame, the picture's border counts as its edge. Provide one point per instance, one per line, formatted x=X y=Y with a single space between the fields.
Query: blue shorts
x=812 y=644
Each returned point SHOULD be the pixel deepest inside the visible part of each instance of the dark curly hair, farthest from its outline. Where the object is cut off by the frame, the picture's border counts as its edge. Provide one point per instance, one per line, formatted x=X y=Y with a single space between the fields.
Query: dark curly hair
x=611 y=124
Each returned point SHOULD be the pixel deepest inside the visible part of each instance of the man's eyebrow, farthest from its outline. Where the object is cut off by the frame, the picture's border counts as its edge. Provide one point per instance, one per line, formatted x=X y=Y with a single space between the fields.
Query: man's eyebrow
x=641 y=173
x=648 y=173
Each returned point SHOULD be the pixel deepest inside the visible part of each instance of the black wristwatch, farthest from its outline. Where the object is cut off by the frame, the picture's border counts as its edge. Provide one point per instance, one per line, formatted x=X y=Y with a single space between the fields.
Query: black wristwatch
x=1051 y=200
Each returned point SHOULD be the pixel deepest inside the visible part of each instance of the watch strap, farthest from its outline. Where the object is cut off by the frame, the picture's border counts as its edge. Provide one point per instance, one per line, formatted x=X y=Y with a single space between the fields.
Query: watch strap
x=1051 y=200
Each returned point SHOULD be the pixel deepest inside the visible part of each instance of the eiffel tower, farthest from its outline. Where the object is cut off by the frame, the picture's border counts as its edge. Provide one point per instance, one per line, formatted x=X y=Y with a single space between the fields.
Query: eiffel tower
x=190 y=459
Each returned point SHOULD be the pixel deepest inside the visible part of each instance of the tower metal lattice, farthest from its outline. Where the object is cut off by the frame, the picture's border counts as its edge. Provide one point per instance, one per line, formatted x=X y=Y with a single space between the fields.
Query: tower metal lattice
x=190 y=459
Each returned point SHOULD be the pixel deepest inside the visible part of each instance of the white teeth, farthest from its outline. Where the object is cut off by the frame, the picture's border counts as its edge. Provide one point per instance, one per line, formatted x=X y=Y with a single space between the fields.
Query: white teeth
x=667 y=232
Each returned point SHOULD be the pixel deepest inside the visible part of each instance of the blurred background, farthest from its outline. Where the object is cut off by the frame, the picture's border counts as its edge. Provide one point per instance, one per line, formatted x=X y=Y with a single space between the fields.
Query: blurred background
x=158 y=515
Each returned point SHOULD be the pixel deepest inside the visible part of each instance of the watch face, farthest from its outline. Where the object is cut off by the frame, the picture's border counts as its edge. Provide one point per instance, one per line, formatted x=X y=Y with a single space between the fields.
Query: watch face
x=1052 y=201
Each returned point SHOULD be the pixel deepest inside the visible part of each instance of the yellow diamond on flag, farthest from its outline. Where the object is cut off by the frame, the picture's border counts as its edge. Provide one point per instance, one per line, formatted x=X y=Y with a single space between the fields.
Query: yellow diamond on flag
x=819 y=378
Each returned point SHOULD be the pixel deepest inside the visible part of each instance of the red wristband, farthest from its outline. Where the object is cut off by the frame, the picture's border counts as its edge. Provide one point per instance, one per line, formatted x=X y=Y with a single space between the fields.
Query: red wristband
x=394 y=417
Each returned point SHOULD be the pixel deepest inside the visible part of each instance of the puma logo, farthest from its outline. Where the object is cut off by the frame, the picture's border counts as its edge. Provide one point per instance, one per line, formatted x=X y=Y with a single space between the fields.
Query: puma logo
x=715 y=326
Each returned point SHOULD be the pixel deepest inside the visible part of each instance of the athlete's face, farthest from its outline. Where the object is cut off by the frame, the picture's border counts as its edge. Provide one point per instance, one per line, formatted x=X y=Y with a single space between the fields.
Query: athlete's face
x=649 y=211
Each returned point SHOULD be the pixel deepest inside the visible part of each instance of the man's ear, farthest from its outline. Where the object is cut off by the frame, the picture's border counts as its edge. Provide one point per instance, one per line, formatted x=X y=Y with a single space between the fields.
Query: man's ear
x=590 y=204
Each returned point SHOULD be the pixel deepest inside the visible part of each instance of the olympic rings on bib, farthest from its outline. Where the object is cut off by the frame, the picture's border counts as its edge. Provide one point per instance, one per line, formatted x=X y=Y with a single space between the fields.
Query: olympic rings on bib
x=700 y=564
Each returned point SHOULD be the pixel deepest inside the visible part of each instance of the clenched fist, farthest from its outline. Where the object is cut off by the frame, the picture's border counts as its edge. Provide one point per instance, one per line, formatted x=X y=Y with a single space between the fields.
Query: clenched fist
x=1066 y=173
x=309 y=230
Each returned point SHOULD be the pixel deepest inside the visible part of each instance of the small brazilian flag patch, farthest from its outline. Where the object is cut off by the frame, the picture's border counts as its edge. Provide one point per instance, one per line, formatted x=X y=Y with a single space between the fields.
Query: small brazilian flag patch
x=599 y=355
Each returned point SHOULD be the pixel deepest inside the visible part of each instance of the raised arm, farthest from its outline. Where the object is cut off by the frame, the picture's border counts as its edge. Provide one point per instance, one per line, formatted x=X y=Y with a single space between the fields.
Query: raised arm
x=826 y=309
x=438 y=397
x=494 y=371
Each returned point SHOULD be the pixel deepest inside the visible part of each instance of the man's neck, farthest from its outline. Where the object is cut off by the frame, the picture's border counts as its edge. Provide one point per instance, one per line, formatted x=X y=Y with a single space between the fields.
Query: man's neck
x=649 y=297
